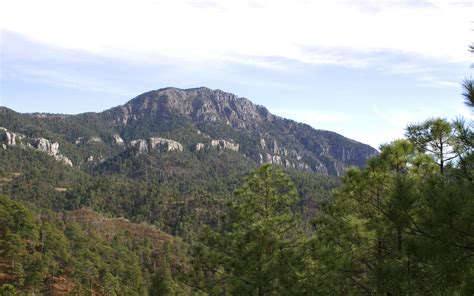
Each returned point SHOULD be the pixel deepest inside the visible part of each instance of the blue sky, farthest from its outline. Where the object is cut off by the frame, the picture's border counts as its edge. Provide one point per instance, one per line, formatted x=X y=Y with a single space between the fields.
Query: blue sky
x=364 y=69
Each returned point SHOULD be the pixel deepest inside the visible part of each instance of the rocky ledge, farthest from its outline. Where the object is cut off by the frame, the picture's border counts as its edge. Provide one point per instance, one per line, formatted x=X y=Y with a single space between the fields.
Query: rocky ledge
x=8 y=138
x=161 y=144
x=218 y=144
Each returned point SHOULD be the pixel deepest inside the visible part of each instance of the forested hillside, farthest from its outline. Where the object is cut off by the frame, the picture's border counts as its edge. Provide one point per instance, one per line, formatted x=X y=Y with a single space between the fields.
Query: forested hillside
x=80 y=252
x=140 y=201
x=196 y=121
x=403 y=225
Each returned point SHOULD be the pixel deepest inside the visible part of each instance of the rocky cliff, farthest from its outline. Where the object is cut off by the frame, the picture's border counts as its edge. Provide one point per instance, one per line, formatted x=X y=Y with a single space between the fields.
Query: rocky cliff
x=193 y=120
x=200 y=104
x=159 y=144
x=12 y=139
x=263 y=137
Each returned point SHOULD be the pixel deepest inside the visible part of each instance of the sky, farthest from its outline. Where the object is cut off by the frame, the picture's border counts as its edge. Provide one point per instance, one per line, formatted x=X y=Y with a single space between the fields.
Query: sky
x=362 y=68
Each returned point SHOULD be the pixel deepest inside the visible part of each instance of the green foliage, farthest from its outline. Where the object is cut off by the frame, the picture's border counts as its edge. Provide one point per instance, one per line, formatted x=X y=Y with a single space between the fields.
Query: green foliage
x=255 y=251
x=435 y=137
x=163 y=283
x=178 y=192
x=401 y=225
x=7 y=290
x=51 y=246
x=468 y=94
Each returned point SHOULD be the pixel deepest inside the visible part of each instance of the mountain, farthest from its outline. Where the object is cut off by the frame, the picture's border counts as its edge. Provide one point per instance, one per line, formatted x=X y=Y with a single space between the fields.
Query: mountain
x=170 y=157
x=191 y=120
x=133 y=187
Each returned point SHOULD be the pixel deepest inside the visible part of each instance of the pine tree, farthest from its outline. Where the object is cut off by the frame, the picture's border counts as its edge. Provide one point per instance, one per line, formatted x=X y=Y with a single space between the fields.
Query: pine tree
x=402 y=225
x=162 y=282
x=256 y=251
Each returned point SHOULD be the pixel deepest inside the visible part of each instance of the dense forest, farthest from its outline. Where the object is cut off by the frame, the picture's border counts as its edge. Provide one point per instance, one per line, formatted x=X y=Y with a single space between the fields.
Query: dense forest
x=217 y=223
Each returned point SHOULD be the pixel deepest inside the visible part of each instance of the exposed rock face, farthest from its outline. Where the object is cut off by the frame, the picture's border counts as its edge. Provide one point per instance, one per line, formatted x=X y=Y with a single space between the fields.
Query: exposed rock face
x=214 y=115
x=201 y=104
x=160 y=144
x=165 y=144
x=94 y=160
x=218 y=144
x=52 y=149
x=95 y=140
x=41 y=144
x=141 y=145
x=223 y=144
x=10 y=138
x=45 y=145
x=118 y=140
x=279 y=160
x=289 y=158
x=299 y=145
x=60 y=157
x=200 y=146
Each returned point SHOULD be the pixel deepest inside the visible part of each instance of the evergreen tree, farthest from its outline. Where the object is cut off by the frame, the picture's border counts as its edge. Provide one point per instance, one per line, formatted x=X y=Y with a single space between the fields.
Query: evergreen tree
x=7 y=290
x=468 y=86
x=162 y=282
x=255 y=252
x=402 y=225
x=468 y=93
x=436 y=137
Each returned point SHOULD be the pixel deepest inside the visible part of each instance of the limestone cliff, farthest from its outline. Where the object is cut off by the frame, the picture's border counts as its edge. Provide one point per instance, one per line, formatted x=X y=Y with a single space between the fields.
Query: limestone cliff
x=44 y=145
x=160 y=144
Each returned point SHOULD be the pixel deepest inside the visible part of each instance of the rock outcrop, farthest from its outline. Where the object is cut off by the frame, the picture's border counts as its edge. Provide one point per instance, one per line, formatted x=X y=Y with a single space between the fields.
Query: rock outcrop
x=219 y=115
x=41 y=144
x=165 y=144
x=45 y=145
x=200 y=104
x=279 y=160
x=218 y=144
x=60 y=157
x=274 y=154
x=95 y=140
x=118 y=140
x=216 y=117
x=200 y=146
x=10 y=138
x=223 y=144
x=141 y=145
x=160 y=144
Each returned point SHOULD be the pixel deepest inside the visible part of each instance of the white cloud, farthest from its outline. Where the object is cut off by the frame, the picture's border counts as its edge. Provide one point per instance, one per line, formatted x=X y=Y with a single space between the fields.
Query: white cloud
x=200 y=30
x=62 y=78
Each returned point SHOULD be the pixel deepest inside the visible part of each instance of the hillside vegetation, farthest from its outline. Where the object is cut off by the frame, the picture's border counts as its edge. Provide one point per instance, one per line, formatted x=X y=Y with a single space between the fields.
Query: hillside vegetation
x=172 y=194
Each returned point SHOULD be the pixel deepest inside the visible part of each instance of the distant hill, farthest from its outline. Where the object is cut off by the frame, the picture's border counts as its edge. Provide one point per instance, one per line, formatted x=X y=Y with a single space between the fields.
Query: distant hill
x=196 y=120
x=167 y=163
x=169 y=157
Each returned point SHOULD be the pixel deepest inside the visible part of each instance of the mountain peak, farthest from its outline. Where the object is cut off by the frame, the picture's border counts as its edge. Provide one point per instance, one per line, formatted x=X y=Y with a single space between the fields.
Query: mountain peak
x=262 y=136
x=201 y=104
x=201 y=117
